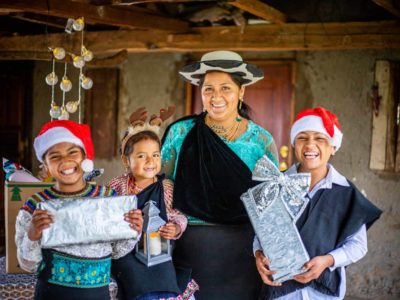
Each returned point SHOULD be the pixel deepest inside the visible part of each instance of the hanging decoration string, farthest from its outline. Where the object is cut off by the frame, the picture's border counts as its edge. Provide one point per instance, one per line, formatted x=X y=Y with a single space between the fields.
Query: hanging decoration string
x=85 y=55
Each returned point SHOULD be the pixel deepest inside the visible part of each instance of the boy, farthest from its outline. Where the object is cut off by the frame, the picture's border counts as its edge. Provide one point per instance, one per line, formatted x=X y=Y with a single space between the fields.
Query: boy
x=77 y=271
x=334 y=223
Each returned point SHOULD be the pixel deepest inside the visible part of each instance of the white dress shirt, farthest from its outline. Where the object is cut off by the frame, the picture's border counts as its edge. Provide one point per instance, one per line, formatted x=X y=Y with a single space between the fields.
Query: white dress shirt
x=353 y=249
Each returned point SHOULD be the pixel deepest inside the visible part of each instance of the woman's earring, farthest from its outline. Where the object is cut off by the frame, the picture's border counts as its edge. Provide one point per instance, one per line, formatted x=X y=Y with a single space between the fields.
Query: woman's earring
x=240 y=103
x=204 y=109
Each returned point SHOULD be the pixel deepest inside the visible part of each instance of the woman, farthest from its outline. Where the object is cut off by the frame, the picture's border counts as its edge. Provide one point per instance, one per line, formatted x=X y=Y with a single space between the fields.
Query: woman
x=210 y=156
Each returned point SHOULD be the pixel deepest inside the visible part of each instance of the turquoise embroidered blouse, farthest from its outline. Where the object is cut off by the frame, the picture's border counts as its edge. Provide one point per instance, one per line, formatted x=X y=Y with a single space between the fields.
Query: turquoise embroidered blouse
x=250 y=146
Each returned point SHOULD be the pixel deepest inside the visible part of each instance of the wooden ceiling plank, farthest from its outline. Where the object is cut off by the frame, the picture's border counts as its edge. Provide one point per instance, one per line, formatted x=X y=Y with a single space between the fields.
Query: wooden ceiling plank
x=261 y=10
x=289 y=37
x=388 y=5
x=40 y=19
x=96 y=14
x=112 y=60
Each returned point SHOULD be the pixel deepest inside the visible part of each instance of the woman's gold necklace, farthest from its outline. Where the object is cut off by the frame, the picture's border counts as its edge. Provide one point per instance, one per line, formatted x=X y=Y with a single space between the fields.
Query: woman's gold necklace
x=227 y=133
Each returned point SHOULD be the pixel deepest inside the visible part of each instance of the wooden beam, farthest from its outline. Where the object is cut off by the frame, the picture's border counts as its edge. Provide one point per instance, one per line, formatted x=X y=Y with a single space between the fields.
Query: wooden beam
x=261 y=10
x=112 y=60
x=296 y=37
x=383 y=140
x=96 y=14
x=388 y=5
x=40 y=19
x=5 y=11
x=132 y=2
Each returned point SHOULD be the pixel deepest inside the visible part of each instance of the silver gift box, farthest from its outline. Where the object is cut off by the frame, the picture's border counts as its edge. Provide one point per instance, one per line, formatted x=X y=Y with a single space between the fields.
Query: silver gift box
x=274 y=207
x=87 y=220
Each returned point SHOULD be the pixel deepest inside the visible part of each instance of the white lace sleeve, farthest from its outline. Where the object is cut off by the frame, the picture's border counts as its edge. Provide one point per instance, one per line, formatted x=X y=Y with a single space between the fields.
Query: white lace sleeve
x=122 y=248
x=29 y=253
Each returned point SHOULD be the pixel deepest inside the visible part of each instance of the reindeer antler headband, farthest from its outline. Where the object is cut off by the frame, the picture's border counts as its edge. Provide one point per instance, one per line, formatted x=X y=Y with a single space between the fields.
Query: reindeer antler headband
x=138 y=123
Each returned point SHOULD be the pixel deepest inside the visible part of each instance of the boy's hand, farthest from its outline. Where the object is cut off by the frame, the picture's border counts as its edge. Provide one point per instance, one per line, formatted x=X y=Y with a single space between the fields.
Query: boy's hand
x=135 y=219
x=314 y=268
x=262 y=264
x=170 y=230
x=41 y=220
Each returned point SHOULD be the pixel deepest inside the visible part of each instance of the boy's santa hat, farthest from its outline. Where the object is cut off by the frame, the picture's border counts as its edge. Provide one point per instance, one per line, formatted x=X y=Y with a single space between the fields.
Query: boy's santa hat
x=60 y=131
x=320 y=120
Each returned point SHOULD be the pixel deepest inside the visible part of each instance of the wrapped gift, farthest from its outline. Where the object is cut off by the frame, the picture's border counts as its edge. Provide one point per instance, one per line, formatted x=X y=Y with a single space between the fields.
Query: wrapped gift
x=15 y=172
x=87 y=220
x=274 y=207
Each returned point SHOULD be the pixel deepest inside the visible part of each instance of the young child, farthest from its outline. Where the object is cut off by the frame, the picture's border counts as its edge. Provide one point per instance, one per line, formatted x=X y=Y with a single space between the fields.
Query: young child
x=140 y=154
x=77 y=271
x=334 y=223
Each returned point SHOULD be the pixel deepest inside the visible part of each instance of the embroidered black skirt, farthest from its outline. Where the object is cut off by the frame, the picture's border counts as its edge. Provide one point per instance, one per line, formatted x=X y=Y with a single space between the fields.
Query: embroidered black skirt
x=64 y=277
x=221 y=259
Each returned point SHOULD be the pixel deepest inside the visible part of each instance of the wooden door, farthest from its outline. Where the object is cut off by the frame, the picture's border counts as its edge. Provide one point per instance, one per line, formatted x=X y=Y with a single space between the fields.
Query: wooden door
x=15 y=122
x=101 y=109
x=271 y=101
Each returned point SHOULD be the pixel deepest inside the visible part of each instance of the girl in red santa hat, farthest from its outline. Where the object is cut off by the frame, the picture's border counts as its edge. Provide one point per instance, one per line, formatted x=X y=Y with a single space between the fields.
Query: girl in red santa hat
x=69 y=272
x=333 y=226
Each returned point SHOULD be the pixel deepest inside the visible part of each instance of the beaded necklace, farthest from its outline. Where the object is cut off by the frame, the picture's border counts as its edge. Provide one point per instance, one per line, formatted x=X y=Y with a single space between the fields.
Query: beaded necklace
x=227 y=133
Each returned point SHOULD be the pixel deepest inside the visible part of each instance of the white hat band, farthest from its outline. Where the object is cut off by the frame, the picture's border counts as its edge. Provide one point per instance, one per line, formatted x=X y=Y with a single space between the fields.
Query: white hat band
x=314 y=123
x=52 y=137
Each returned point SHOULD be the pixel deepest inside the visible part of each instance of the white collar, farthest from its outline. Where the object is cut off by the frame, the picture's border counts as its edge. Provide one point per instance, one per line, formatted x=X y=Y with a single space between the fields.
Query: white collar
x=333 y=176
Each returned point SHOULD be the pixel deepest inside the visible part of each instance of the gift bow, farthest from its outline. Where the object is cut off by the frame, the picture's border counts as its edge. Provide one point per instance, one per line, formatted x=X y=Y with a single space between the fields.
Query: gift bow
x=291 y=189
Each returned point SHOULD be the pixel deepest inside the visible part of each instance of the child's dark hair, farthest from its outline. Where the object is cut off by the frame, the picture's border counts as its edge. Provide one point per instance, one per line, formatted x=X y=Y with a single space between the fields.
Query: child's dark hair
x=140 y=136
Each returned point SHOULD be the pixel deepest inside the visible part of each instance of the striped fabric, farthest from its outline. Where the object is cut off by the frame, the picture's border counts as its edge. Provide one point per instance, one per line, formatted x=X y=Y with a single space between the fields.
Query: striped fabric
x=50 y=193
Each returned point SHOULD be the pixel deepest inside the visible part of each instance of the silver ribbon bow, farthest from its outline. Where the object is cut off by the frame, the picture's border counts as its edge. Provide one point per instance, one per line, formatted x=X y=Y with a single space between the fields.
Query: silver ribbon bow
x=291 y=189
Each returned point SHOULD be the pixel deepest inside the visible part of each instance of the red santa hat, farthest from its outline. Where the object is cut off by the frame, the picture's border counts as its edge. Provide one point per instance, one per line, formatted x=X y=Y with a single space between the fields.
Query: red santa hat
x=320 y=120
x=60 y=131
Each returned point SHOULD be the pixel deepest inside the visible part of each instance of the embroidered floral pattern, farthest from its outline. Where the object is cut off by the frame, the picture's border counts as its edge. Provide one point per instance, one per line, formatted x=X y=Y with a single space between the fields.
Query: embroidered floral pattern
x=84 y=273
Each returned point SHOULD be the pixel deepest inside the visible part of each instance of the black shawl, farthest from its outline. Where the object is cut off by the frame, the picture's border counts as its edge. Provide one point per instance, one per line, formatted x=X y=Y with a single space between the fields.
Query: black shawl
x=210 y=177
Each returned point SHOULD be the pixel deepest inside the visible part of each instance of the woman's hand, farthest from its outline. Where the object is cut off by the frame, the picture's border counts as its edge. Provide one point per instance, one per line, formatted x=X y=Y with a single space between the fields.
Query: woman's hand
x=170 y=231
x=314 y=268
x=262 y=264
x=41 y=220
x=135 y=219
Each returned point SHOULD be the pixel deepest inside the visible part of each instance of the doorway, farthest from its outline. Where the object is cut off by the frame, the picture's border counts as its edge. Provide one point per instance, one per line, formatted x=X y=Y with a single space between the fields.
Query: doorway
x=15 y=122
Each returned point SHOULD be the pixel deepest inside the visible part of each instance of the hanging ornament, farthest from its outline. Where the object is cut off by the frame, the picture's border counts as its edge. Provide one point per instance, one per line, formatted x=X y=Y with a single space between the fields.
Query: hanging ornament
x=64 y=114
x=59 y=53
x=86 y=54
x=78 y=61
x=78 y=24
x=65 y=84
x=72 y=106
x=55 y=111
x=86 y=82
x=51 y=78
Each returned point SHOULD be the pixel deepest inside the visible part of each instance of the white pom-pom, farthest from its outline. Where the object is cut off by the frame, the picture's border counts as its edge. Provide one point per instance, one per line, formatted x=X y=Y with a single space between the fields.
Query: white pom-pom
x=87 y=165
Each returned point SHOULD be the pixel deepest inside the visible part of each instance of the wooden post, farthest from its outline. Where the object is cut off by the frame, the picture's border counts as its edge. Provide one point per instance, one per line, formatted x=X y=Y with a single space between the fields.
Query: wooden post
x=383 y=143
